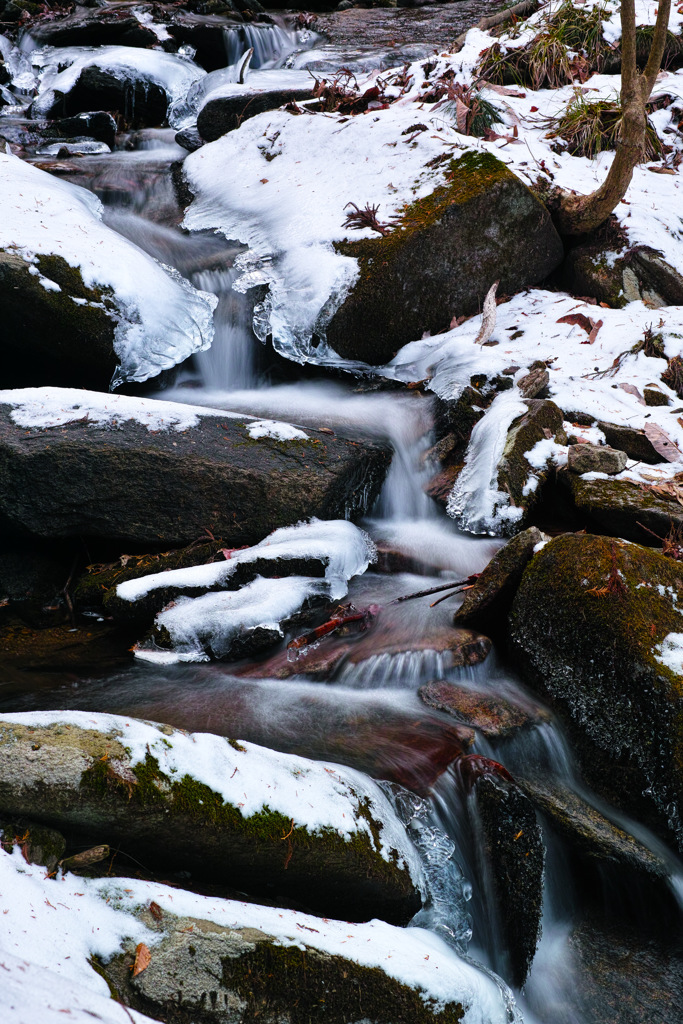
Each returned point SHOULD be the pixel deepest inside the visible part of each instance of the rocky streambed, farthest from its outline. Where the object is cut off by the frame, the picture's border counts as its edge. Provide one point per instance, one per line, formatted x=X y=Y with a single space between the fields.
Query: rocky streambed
x=340 y=531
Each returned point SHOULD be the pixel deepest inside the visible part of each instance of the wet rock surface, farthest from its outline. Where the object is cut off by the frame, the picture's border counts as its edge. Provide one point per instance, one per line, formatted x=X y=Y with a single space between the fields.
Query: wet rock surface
x=589 y=624
x=486 y=603
x=623 y=509
x=440 y=261
x=492 y=716
x=543 y=422
x=511 y=859
x=169 y=487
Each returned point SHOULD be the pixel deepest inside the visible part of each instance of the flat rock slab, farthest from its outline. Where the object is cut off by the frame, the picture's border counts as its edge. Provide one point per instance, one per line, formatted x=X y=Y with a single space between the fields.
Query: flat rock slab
x=493 y=716
x=168 y=482
x=623 y=509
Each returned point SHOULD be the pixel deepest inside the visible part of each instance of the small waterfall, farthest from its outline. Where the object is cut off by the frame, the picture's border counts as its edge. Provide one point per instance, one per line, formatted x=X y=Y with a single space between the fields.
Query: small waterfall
x=232 y=359
x=272 y=44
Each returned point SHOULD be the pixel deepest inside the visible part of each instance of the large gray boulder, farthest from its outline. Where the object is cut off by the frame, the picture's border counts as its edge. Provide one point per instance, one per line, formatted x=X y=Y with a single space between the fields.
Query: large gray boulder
x=77 y=463
x=484 y=225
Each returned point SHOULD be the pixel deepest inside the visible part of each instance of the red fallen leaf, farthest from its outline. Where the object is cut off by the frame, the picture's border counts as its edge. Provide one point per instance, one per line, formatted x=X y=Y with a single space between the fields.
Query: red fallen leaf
x=156 y=911
x=594 y=331
x=578 y=320
x=533 y=109
x=143 y=959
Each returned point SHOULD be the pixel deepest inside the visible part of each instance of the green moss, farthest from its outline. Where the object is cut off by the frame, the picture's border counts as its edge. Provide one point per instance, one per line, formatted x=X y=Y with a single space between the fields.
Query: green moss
x=237 y=746
x=145 y=785
x=70 y=279
x=466 y=178
x=326 y=988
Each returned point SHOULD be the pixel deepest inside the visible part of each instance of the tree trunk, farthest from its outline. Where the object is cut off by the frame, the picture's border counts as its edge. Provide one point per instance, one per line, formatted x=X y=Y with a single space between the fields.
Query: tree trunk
x=578 y=215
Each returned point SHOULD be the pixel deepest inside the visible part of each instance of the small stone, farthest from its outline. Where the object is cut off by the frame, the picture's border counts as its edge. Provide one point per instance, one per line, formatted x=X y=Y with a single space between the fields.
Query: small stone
x=654 y=395
x=595 y=458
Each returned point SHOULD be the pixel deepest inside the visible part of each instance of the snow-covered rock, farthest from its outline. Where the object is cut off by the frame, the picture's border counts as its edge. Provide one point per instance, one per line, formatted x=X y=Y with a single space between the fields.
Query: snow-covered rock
x=80 y=302
x=215 y=806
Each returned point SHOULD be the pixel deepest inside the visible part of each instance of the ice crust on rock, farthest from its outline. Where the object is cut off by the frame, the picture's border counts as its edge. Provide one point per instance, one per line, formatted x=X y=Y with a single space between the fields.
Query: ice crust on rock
x=345 y=548
x=225 y=83
x=130 y=64
x=162 y=318
x=214 y=621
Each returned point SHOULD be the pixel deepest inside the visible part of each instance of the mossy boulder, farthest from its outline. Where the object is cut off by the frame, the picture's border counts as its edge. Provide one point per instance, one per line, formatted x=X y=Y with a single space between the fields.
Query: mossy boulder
x=204 y=973
x=640 y=273
x=226 y=113
x=62 y=333
x=482 y=225
x=317 y=840
x=623 y=509
x=487 y=602
x=588 y=626
x=168 y=487
x=38 y=844
x=516 y=476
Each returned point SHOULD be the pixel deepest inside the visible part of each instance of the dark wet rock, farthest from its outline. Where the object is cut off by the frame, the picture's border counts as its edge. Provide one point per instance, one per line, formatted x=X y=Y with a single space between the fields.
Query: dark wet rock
x=621 y=974
x=481 y=226
x=623 y=509
x=204 y=973
x=589 y=833
x=653 y=395
x=587 y=625
x=141 y=102
x=48 y=338
x=544 y=420
x=630 y=440
x=86 y=783
x=100 y=27
x=168 y=487
x=189 y=139
x=491 y=715
x=38 y=844
x=595 y=458
x=97 y=124
x=640 y=273
x=487 y=602
x=511 y=856
x=226 y=113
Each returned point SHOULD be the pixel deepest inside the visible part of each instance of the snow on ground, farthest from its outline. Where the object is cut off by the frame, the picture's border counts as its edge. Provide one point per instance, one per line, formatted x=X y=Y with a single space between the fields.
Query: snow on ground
x=345 y=551
x=52 y=926
x=131 y=64
x=163 y=318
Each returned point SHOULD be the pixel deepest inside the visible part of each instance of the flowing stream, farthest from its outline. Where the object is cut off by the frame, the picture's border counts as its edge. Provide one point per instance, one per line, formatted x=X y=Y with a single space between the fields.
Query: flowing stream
x=345 y=719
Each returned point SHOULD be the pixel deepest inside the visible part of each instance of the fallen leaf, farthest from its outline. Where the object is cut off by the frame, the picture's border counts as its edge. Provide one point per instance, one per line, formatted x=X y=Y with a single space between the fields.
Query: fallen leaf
x=143 y=959
x=661 y=170
x=662 y=443
x=594 y=331
x=156 y=911
x=577 y=320
x=631 y=389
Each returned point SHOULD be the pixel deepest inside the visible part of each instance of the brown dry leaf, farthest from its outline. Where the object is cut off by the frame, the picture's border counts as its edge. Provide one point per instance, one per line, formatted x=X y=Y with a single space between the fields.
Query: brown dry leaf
x=577 y=320
x=461 y=112
x=143 y=959
x=668 y=489
x=503 y=90
x=631 y=389
x=594 y=331
x=156 y=911
x=661 y=170
x=662 y=443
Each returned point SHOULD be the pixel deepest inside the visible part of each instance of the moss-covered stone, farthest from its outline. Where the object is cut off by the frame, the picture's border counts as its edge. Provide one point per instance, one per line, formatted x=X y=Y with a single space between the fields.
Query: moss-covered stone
x=47 y=337
x=586 y=625
x=487 y=602
x=623 y=509
x=543 y=421
x=38 y=844
x=202 y=973
x=640 y=273
x=481 y=225
x=86 y=783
